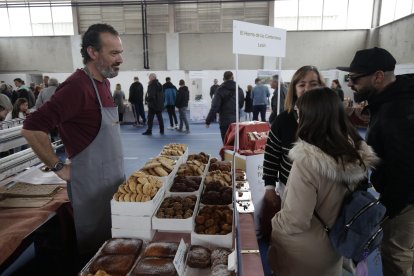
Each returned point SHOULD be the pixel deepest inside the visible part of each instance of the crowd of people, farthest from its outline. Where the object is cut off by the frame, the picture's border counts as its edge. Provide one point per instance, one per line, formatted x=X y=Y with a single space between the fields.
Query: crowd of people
x=312 y=149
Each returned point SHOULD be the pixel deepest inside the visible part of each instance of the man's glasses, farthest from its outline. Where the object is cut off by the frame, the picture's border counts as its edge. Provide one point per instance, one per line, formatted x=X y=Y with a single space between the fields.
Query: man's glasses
x=355 y=77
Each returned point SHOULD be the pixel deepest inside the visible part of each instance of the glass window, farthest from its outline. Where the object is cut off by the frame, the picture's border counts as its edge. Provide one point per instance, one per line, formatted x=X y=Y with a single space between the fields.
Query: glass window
x=4 y=22
x=62 y=20
x=41 y=21
x=36 y=21
x=310 y=14
x=387 y=11
x=286 y=14
x=403 y=8
x=360 y=14
x=20 y=22
x=334 y=14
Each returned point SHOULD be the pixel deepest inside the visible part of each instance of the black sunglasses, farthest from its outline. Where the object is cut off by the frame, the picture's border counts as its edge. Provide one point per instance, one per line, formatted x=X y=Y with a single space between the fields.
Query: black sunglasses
x=355 y=77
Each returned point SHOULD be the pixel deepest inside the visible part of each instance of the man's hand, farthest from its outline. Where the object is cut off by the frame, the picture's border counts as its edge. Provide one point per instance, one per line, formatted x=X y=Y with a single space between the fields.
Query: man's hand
x=272 y=199
x=64 y=173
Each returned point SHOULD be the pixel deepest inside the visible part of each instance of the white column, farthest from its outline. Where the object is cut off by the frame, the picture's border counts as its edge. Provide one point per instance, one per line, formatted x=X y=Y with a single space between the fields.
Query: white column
x=75 y=42
x=173 y=51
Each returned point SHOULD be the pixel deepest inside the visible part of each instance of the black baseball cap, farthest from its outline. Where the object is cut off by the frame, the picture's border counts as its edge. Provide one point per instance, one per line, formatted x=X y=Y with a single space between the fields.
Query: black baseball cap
x=370 y=61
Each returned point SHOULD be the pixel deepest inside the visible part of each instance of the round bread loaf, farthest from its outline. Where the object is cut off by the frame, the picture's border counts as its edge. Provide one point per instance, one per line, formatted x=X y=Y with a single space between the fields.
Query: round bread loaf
x=112 y=264
x=122 y=246
x=219 y=256
x=220 y=270
x=154 y=266
x=161 y=249
x=198 y=257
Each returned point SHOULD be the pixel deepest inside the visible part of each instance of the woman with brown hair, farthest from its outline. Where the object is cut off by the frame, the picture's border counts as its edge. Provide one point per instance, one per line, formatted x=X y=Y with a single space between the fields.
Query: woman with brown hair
x=276 y=164
x=328 y=158
x=20 y=109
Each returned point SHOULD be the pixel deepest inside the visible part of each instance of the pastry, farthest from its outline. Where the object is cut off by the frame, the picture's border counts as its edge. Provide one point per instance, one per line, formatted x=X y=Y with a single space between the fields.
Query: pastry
x=122 y=246
x=113 y=264
x=154 y=266
x=198 y=257
x=220 y=270
x=219 y=256
x=161 y=249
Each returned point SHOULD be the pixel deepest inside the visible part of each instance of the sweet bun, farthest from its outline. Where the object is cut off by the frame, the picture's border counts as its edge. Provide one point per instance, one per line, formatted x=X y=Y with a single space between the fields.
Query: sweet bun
x=154 y=266
x=113 y=264
x=122 y=246
x=198 y=257
x=161 y=249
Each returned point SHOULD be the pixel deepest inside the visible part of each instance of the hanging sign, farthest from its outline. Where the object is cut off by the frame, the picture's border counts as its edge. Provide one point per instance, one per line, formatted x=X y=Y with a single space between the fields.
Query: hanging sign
x=258 y=40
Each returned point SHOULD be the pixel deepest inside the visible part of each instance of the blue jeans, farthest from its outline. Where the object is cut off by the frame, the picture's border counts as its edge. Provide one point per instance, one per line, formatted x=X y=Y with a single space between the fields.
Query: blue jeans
x=259 y=109
x=182 y=111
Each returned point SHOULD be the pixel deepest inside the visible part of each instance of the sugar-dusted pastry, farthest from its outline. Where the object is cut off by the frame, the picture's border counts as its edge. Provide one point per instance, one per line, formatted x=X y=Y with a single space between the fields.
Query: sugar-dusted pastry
x=113 y=264
x=122 y=246
x=161 y=249
x=154 y=266
x=198 y=257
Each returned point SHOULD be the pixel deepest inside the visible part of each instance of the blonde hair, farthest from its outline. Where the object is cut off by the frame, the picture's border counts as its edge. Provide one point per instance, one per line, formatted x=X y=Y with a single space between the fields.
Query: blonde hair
x=291 y=96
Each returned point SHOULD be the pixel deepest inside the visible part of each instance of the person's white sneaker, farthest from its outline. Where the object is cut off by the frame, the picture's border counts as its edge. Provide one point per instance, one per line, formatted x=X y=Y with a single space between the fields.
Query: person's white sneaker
x=171 y=127
x=176 y=126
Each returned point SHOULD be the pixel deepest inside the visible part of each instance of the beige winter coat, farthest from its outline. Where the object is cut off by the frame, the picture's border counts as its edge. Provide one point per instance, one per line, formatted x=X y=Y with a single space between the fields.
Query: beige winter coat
x=299 y=244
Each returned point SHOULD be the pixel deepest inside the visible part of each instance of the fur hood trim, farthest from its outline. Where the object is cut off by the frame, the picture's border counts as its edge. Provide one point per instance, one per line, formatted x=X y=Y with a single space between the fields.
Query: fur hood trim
x=313 y=157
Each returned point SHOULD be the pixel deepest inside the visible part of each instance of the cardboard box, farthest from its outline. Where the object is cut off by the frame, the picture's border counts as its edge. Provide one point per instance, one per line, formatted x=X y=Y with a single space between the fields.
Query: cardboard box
x=133 y=233
x=137 y=209
x=212 y=241
x=179 y=225
x=131 y=222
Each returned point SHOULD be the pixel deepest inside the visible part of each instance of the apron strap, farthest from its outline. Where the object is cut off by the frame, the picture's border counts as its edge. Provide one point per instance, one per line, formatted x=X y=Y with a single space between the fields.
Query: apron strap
x=94 y=85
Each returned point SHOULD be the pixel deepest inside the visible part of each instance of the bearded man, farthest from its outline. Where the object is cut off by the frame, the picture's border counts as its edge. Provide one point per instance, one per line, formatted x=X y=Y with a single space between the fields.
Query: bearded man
x=87 y=118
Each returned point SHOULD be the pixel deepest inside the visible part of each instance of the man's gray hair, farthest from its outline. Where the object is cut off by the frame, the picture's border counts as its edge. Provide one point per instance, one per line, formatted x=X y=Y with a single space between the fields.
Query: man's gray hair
x=53 y=82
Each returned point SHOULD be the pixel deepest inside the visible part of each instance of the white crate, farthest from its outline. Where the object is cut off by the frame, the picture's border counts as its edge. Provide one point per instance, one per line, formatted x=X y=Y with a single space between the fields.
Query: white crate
x=133 y=233
x=179 y=225
x=212 y=241
x=131 y=222
x=137 y=208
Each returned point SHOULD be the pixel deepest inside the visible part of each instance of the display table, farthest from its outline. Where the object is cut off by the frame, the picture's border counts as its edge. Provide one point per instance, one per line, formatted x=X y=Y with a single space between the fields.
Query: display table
x=253 y=166
x=248 y=142
x=17 y=224
x=249 y=263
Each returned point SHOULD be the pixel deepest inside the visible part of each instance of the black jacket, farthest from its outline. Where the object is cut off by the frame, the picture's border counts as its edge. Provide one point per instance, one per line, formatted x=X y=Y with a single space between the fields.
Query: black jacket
x=155 y=96
x=136 y=93
x=183 y=96
x=224 y=103
x=391 y=135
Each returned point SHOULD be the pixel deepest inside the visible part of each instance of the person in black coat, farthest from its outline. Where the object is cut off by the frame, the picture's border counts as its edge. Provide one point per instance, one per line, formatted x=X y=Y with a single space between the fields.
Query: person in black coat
x=136 y=98
x=183 y=96
x=248 y=107
x=391 y=128
x=155 y=100
x=224 y=103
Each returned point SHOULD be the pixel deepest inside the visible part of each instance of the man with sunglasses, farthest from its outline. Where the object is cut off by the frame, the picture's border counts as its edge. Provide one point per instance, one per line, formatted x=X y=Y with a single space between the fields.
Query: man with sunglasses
x=391 y=134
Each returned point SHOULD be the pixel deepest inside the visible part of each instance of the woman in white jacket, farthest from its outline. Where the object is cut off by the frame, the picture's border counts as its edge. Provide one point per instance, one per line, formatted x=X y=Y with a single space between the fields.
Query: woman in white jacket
x=328 y=153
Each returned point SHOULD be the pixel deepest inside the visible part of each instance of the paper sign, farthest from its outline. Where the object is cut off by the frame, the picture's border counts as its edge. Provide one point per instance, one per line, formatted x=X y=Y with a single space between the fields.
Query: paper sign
x=197 y=74
x=179 y=259
x=232 y=261
x=259 y=40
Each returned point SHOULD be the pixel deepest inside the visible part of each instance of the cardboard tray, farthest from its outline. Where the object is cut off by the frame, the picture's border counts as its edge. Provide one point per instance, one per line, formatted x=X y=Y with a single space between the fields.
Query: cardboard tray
x=177 y=225
x=137 y=208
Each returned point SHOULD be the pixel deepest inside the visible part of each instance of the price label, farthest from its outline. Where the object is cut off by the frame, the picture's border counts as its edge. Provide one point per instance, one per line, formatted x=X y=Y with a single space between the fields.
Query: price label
x=179 y=259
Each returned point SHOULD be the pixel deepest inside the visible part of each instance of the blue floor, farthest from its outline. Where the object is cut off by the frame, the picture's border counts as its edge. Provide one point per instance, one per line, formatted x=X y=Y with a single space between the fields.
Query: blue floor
x=139 y=148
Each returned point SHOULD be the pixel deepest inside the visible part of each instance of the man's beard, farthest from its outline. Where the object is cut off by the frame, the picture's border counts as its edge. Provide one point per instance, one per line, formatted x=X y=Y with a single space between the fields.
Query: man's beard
x=364 y=94
x=107 y=71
